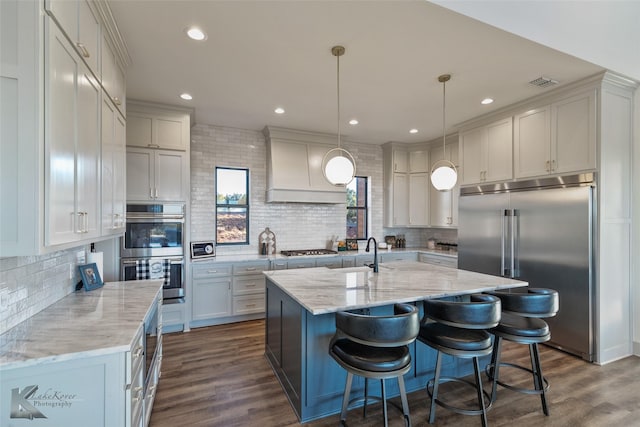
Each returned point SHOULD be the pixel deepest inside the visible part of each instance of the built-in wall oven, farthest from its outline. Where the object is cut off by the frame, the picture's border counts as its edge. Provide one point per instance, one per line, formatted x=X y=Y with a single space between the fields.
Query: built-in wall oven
x=153 y=247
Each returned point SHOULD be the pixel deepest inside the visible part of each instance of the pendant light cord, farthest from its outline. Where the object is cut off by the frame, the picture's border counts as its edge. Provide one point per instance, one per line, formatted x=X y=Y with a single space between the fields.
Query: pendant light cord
x=444 y=128
x=338 y=90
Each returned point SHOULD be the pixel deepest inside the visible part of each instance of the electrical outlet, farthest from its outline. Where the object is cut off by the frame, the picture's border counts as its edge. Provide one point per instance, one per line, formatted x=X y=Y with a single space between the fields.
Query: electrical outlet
x=81 y=257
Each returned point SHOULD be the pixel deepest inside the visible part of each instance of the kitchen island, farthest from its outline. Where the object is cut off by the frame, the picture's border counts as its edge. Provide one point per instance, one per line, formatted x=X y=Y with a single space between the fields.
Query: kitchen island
x=300 y=321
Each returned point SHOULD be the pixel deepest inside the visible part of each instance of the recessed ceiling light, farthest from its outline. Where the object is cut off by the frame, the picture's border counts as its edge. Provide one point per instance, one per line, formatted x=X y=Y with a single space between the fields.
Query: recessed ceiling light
x=486 y=101
x=413 y=131
x=186 y=96
x=353 y=122
x=196 y=33
x=279 y=110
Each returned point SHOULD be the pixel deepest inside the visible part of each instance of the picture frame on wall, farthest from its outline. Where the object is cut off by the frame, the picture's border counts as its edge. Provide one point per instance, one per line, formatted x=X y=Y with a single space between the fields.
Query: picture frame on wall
x=90 y=276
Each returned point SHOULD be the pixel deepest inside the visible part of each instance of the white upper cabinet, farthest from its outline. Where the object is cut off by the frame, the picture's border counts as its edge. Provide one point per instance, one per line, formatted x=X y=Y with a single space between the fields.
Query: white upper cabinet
x=400 y=161
x=486 y=153
x=419 y=161
x=72 y=144
x=113 y=169
x=156 y=128
x=557 y=138
x=80 y=23
x=113 y=78
x=419 y=199
x=157 y=175
x=443 y=205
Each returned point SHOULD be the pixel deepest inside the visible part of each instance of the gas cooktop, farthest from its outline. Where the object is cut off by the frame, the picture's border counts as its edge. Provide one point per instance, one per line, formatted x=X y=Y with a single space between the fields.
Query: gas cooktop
x=301 y=252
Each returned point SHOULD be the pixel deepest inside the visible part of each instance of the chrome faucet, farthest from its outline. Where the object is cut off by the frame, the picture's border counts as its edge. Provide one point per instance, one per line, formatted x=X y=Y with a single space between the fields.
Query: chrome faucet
x=375 y=254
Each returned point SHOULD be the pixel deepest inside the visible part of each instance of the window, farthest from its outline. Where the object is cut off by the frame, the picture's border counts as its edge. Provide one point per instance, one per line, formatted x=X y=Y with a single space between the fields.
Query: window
x=232 y=206
x=357 y=208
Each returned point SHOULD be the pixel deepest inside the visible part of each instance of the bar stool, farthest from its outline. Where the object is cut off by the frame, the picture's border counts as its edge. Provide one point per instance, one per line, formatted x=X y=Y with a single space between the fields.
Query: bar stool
x=460 y=330
x=522 y=323
x=375 y=347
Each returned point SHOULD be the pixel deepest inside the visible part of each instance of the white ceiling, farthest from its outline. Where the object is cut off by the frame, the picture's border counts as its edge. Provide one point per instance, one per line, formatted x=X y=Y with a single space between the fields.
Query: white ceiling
x=264 y=54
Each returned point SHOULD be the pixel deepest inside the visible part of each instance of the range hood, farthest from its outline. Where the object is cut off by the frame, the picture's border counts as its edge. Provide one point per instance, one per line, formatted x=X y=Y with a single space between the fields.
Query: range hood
x=294 y=161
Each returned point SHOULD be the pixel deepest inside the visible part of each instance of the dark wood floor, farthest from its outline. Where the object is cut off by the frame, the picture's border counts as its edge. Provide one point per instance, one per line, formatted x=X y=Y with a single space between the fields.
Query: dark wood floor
x=218 y=376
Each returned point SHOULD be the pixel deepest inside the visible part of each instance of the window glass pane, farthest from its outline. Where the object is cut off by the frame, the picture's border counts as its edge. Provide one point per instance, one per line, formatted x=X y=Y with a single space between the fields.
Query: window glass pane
x=357 y=208
x=231 y=225
x=231 y=186
x=232 y=206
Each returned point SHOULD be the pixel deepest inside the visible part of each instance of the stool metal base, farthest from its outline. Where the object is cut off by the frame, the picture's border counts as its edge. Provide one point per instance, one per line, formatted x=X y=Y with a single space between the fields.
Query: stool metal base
x=483 y=396
x=348 y=404
x=540 y=383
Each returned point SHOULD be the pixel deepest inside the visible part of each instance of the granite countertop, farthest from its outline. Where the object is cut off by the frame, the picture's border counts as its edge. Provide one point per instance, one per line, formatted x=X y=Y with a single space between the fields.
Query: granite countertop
x=82 y=324
x=278 y=256
x=322 y=290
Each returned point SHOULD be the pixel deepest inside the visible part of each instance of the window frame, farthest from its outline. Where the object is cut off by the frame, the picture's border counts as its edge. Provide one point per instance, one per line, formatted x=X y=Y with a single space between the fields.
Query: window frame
x=357 y=209
x=232 y=205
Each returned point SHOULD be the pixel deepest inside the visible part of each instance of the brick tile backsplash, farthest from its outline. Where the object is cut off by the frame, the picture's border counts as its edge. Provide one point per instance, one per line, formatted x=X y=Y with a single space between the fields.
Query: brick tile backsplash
x=296 y=225
x=29 y=284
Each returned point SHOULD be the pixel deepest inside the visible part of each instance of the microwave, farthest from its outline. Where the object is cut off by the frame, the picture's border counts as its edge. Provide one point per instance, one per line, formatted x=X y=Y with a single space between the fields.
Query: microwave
x=203 y=249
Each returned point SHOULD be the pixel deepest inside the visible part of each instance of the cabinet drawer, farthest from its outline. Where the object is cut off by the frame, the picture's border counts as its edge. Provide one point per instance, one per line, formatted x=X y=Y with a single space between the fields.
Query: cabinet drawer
x=248 y=285
x=204 y=271
x=306 y=263
x=245 y=268
x=247 y=304
x=439 y=260
x=136 y=355
x=406 y=256
x=333 y=262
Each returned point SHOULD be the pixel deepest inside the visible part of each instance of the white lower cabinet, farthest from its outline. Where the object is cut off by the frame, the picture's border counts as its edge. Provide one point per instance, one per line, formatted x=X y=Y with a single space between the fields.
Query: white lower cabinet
x=212 y=293
x=248 y=287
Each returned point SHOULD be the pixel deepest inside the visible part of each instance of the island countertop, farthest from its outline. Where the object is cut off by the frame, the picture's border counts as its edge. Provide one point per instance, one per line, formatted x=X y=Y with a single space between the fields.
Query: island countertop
x=322 y=290
x=81 y=324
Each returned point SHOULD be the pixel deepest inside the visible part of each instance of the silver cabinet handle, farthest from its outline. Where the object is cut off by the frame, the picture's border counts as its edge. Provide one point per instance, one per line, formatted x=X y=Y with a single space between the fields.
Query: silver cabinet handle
x=546 y=166
x=117 y=100
x=83 y=50
x=553 y=165
x=156 y=192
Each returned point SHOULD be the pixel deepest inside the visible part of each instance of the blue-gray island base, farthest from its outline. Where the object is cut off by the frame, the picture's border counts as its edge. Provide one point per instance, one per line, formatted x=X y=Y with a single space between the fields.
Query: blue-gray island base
x=300 y=321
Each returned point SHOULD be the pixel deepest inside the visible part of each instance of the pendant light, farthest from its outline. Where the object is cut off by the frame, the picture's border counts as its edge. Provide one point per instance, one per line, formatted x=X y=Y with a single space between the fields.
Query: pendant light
x=443 y=173
x=338 y=165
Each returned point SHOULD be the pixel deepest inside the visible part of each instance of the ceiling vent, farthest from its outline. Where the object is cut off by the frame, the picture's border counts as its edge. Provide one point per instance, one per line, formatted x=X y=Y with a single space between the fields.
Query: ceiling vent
x=543 y=82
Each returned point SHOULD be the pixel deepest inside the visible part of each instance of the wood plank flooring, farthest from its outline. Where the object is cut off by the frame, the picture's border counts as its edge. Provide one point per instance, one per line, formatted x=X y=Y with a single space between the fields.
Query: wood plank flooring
x=218 y=376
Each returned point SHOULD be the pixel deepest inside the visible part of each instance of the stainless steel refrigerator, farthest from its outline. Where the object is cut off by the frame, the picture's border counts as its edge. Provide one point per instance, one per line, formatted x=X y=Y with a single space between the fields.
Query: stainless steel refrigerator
x=540 y=231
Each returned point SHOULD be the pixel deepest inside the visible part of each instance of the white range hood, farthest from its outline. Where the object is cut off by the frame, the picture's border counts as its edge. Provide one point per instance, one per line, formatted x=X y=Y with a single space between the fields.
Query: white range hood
x=294 y=174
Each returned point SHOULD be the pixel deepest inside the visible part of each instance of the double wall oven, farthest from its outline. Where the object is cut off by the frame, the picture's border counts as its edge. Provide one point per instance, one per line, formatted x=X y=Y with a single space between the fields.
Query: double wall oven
x=153 y=247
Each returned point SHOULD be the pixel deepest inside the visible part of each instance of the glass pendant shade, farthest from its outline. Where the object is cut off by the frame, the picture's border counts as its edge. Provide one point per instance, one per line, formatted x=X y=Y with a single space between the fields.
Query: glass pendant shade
x=444 y=177
x=339 y=170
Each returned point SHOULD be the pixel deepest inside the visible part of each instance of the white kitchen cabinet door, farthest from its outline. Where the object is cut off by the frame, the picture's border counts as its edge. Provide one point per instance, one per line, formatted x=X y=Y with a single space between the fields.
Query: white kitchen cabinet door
x=140 y=174
x=443 y=205
x=78 y=21
x=88 y=153
x=419 y=199
x=532 y=141
x=156 y=175
x=400 y=161
x=170 y=175
x=498 y=157
x=153 y=128
x=400 y=206
x=472 y=148
x=113 y=79
x=211 y=298
x=419 y=161
x=113 y=169
x=60 y=86
x=486 y=153
x=72 y=145
x=573 y=137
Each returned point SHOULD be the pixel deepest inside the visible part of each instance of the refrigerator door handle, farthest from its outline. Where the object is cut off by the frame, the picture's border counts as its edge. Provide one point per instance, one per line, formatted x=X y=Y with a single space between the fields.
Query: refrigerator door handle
x=515 y=232
x=503 y=243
